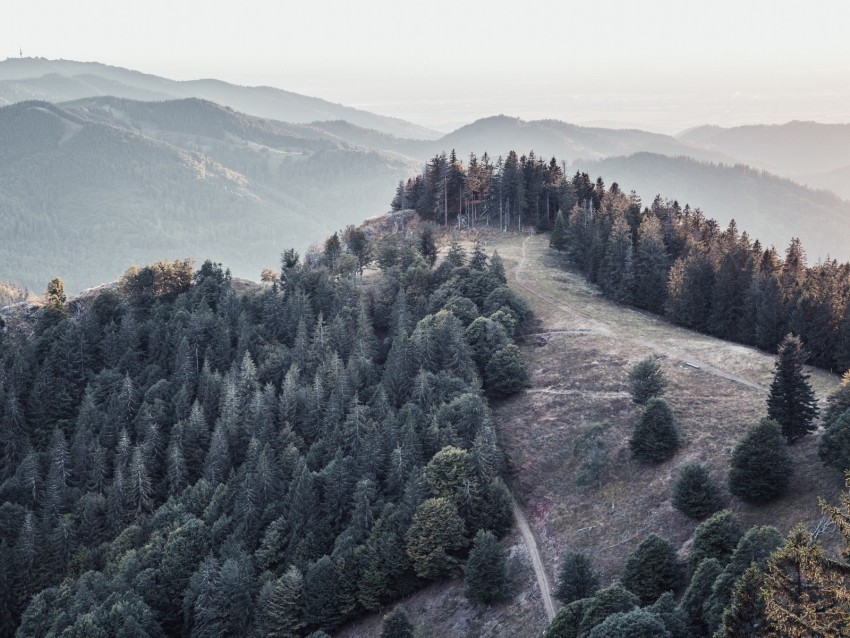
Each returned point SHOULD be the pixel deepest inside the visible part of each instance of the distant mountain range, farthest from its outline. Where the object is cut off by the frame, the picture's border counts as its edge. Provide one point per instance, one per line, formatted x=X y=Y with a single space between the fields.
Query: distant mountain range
x=106 y=169
x=64 y=80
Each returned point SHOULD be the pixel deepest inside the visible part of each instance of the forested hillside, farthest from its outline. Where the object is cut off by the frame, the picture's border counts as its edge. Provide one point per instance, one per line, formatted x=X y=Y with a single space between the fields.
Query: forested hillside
x=186 y=460
x=87 y=189
x=665 y=258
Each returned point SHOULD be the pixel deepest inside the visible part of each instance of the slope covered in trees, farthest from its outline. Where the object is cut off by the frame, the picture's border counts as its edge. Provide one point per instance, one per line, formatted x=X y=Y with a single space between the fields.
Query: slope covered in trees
x=87 y=189
x=664 y=258
x=186 y=460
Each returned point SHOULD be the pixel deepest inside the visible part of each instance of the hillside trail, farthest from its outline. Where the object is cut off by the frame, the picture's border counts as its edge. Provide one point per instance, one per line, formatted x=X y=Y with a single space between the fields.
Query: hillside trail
x=603 y=328
x=536 y=561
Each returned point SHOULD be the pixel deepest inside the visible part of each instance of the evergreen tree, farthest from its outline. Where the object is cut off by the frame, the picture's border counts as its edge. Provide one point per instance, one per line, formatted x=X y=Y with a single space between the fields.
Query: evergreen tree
x=506 y=372
x=656 y=436
x=761 y=466
x=280 y=609
x=647 y=380
x=435 y=532
x=576 y=578
x=698 y=591
x=651 y=267
x=745 y=616
x=558 y=236
x=838 y=402
x=397 y=625
x=792 y=402
x=695 y=493
x=638 y=623
x=715 y=538
x=605 y=602
x=652 y=569
x=485 y=572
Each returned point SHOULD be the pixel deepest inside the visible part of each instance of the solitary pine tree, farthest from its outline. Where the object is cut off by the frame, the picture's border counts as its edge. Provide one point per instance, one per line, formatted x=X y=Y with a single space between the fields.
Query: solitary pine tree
x=761 y=466
x=792 y=402
x=485 y=572
x=656 y=436
x=647 y=380
x=695 y=493
x=558 y=237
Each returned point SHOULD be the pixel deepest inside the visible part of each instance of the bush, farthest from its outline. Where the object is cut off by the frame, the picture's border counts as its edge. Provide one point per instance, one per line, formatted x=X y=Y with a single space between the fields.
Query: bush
x=485 y=572
x=656 y=436
x=647 y=380
x=576 y=579
x=761 y=466
x=652 y=569
x=695 y=493
x=715 y=538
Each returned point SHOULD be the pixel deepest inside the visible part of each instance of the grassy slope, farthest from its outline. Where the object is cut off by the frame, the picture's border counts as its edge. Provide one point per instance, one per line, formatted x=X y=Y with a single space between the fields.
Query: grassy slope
x=579 y=356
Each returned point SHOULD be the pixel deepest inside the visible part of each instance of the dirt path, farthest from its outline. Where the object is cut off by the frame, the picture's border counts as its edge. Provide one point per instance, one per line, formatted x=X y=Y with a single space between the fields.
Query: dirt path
x=604 y=328
x=536 y=561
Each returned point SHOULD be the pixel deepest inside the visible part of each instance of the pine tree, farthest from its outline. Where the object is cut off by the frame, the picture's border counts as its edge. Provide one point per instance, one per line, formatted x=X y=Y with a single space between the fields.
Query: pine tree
x=647 y=380
x=321 y=594
x=605 y=602
x=715 y=538
x=506 y=372
x=558 y=236
x=652 y=569
x=745 y=616
x=651 y=267
x=792 y=401
x=436 y=530
x=485 y=572
x=834 y=443
x=397 y=625
x=576 y=578
x=638 y=623
x=656 y=436
x=698 y=592
x=695 y=493
x=761 y=466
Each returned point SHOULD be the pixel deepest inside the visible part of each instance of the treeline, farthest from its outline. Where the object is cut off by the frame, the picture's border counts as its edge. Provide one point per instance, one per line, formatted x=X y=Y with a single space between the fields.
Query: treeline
x=663 y=258
x=673 y=261
x=514 y=192
x=180 y=459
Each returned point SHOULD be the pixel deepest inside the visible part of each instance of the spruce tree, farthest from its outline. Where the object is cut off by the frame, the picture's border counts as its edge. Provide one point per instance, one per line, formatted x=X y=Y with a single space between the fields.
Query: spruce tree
x=397 y=625
x=761 y=467
x=651 y=266
x=605 y=602
x=558 y=236
x=485 y=572
x=652 y=569
x=695 y=493
x=698 y=591
x=745 y=616
x=715 y=538
x=656 y=436
x=638 y=623
x=647 y=380
x=792 y=401
x=435 y=533
x=506 y=373
x=838 y=402
x=576 y=578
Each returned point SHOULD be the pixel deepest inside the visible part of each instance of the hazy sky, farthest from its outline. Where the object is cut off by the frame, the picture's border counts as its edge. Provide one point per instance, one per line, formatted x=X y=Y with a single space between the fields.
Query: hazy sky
x=660 y=64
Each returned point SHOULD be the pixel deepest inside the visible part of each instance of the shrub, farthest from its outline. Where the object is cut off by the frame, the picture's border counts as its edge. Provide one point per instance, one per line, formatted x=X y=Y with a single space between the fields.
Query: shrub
x=656 y=436
x=695 y=493
x=761 y=466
